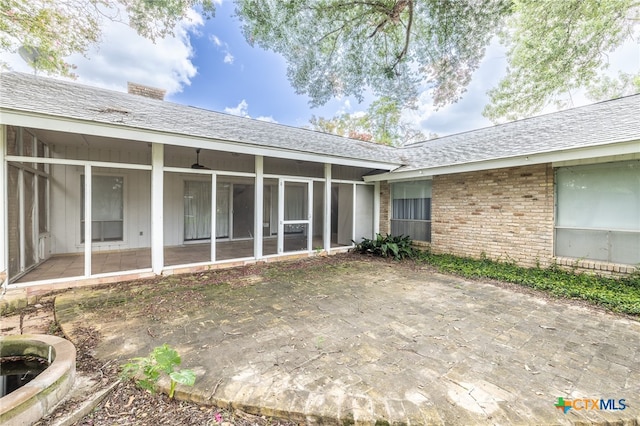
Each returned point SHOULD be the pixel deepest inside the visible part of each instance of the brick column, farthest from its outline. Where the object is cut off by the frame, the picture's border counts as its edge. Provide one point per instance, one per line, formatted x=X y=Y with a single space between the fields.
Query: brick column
x=385 y=208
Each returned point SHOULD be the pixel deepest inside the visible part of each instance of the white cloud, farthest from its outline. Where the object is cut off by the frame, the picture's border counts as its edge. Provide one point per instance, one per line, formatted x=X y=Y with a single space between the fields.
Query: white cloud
x=242 y=109
x=268 y=119
x=215 y=40
x=122 y=55
x=224 y=47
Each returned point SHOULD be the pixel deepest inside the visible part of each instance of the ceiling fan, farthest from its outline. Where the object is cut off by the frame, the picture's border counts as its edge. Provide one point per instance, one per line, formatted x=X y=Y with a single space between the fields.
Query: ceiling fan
x=197 y=164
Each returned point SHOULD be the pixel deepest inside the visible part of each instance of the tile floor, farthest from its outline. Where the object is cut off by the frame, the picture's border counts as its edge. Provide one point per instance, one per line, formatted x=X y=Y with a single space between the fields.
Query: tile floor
x=72 y=265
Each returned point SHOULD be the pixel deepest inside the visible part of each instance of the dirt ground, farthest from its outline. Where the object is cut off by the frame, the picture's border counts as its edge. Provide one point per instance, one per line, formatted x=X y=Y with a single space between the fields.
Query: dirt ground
x=126 y=404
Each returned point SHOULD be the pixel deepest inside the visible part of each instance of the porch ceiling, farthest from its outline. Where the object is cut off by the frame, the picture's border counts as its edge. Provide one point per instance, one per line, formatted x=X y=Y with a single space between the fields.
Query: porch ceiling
x=76 y=140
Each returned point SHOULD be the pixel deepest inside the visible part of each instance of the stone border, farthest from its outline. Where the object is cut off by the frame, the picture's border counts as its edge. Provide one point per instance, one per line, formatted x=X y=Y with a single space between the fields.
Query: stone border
x=596 y=267
x=37 y=398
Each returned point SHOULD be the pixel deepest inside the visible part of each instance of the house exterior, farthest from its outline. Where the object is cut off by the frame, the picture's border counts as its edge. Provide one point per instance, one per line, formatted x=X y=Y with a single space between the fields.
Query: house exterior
x=103 y=186
x=562 y=188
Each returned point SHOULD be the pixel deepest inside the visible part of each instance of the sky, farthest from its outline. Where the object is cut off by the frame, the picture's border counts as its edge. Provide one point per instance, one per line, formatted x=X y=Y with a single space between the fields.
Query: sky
x=208 y=64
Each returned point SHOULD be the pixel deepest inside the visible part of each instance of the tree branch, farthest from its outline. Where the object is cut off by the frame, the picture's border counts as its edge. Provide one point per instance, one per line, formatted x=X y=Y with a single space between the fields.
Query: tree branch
x=407 y=38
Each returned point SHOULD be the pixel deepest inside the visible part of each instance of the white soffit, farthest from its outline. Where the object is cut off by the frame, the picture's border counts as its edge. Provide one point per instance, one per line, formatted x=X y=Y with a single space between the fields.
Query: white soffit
x=70 y=125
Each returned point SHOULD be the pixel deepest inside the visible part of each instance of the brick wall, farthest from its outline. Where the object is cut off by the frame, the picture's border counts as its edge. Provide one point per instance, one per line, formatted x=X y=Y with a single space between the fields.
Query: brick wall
x=507 y=214
x=385 y=208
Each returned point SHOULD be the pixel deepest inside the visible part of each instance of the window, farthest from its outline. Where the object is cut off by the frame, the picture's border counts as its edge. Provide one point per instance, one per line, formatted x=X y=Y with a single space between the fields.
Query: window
x=411 y=209
x=197 y=210
x=598 y=212
x=106 y=208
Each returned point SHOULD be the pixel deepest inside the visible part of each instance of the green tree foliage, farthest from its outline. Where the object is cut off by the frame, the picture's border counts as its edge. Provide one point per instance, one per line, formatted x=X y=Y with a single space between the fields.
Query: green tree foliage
x=344 y=47
x=396 y=48
x=381 y=123
x=46 y=32
x=607 y=87
x=393 y=48
x=555 y=47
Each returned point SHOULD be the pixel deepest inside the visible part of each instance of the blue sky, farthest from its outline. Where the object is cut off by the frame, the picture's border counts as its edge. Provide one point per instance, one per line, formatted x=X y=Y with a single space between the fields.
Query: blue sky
x=208 y=64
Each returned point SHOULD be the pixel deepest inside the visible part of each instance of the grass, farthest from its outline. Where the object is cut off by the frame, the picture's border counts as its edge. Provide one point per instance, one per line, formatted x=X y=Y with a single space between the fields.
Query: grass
x=620 y=295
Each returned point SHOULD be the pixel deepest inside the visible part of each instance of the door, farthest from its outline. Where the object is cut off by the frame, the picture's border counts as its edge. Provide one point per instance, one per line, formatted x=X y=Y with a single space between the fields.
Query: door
x=295 y=215
x=222 y=210
x=243 y=202
x=344 y=213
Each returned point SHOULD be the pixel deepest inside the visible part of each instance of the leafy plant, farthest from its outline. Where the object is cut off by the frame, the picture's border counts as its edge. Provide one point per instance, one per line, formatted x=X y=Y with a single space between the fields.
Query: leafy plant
x=163 y=359
x=398 y=247
x=617 y=294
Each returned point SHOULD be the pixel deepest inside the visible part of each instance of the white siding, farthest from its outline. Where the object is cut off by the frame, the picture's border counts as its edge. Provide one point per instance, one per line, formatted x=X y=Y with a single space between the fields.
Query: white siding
x=65 y=203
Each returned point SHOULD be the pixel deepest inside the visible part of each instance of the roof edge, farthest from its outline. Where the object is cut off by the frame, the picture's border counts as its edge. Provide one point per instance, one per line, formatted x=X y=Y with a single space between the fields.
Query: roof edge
x=608 y=149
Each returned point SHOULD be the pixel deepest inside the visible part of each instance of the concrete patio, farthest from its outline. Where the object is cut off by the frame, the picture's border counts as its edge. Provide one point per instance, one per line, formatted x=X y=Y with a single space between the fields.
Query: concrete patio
x=364 y=341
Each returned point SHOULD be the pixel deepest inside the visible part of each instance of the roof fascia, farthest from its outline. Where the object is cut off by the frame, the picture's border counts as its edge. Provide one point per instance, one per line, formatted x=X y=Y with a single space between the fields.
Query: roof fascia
x=71 y=125
x=610 y=149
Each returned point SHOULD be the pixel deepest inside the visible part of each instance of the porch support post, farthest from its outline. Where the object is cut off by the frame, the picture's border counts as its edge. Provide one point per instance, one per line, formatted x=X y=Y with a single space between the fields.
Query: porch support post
x=258 y=207
x=310 y=217
x=21 y=221
x=354 y=197
x=157 y=208
x=36 y=206
x=4 y=228
x=214 y=218
x=376 y=209
x=326 y=226
x=88 y=219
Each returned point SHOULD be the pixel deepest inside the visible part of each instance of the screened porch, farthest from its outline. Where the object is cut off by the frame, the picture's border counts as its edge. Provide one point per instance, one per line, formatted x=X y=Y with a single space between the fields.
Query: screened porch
x=82 y=206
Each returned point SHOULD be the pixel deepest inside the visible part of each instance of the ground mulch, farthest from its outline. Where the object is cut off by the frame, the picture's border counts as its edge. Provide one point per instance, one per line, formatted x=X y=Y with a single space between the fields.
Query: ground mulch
x=128 y=405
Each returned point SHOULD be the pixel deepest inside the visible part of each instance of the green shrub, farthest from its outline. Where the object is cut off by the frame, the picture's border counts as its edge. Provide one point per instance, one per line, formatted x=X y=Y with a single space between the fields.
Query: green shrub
x=398 y=247
x=617 y=294
x=147 y=370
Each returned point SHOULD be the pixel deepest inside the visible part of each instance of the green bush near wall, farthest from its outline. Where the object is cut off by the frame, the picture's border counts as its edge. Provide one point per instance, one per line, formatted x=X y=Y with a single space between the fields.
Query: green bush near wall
x=397 y=247
x=620 y=295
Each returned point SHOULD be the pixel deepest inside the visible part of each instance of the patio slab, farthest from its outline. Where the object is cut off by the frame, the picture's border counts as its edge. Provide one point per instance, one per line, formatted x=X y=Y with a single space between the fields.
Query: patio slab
x=366 y=341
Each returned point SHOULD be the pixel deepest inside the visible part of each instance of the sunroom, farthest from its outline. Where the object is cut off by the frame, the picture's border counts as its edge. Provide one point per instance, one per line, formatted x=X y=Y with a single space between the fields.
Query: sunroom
x=147 y=207
x=85 y=203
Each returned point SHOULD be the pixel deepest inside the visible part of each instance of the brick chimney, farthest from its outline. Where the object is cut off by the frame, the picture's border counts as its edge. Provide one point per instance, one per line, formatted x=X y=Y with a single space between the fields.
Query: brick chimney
x=146 y=91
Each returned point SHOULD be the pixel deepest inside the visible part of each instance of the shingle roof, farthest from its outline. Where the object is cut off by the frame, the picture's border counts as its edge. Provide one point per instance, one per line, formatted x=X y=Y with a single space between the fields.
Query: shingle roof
x=597 y=124
x=53 y=97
